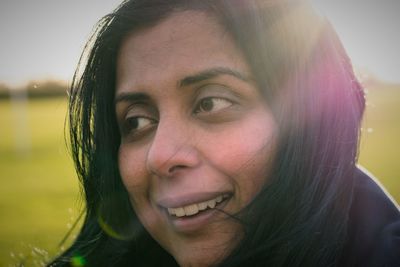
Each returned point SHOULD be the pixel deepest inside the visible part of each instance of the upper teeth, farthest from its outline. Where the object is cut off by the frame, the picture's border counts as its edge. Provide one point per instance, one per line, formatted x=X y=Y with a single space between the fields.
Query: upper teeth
x=195 y=208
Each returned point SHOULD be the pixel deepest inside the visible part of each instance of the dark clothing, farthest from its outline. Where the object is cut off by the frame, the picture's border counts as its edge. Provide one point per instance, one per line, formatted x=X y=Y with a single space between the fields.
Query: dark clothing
x=373 y=237
x=374 y=227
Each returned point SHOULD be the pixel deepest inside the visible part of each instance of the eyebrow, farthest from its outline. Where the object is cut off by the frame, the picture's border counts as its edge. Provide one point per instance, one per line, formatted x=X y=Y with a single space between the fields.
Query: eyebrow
x=189 y=80
x=131 y=97
x=212 y=73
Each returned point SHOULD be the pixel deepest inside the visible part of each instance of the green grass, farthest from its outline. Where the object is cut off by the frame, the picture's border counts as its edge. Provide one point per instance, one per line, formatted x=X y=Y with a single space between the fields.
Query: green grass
x=39 y=192
x=380 y=142
x=39 y=197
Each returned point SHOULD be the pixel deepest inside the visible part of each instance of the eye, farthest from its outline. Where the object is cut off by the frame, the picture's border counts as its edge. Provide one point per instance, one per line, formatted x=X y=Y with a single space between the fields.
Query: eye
x=134 y=124
x=212 y=104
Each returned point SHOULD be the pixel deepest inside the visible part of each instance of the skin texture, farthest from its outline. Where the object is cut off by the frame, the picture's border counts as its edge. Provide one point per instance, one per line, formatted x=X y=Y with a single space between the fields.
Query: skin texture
x=193 y=126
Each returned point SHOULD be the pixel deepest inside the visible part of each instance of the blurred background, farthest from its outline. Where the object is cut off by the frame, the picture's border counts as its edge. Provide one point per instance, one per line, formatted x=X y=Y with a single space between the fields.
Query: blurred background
x=41 y=42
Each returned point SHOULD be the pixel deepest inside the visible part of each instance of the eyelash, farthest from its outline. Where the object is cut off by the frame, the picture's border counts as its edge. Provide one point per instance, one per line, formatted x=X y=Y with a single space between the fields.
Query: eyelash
x=203 y=106
x=132 y=129
x=220 y=101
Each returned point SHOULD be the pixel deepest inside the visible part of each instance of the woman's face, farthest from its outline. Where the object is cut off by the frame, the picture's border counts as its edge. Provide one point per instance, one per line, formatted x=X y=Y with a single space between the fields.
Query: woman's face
x=197 y=138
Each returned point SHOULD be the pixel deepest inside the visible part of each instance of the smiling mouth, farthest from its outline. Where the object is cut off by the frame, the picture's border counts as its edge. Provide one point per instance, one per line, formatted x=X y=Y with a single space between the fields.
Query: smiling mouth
x=195 y=208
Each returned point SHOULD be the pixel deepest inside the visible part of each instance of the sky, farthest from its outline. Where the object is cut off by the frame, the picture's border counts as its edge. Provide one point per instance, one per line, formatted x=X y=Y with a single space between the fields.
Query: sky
x=43 y=39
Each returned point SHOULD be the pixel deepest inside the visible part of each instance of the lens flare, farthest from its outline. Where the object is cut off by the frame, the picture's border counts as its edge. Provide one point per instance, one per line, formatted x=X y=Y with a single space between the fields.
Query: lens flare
x=78 y=261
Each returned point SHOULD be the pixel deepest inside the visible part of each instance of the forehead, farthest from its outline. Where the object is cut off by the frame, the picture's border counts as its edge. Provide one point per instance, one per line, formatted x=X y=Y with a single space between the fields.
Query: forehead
x=183 y=43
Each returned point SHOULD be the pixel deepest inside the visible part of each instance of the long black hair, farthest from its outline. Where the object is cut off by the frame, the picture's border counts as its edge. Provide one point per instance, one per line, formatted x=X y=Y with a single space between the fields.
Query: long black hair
x=300 y=218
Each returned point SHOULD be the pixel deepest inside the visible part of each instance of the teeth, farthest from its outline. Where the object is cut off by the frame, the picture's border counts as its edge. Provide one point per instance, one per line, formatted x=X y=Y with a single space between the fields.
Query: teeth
x=179 y=212
x=212 y=203
x=202 y=205
x=195 y=208
x=171 y=211
x=191 y=209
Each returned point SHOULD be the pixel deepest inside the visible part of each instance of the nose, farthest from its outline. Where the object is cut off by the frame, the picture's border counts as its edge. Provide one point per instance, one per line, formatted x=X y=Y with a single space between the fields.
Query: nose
x=172 y=149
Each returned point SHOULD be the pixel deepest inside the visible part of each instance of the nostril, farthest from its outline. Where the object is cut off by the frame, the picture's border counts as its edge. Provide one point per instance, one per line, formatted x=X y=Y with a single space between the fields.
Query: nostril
x=166 y=156
x=175 y=168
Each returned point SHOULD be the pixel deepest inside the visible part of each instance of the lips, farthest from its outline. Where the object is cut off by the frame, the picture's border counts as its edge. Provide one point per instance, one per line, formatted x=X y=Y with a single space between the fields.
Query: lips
x=193 y=212
x=195 y=208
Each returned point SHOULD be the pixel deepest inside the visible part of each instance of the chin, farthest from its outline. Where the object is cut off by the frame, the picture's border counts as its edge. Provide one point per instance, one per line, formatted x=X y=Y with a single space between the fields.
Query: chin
x=199 y=259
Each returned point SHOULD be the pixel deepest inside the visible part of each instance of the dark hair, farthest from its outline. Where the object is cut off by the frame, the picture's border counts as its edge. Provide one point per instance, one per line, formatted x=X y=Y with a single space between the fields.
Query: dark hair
x=300 y=218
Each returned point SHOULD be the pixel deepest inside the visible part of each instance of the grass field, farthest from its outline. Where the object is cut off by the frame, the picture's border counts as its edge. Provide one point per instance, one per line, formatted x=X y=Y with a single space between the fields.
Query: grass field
x=39 y=197
x=39 y=192
x=380 y=142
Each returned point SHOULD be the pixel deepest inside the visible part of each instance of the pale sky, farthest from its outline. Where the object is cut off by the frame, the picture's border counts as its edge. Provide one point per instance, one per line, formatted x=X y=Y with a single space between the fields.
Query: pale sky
x=44 y=38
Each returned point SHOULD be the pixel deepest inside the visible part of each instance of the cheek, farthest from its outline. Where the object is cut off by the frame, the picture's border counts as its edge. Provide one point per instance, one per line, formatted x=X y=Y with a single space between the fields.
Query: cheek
x=252 y=145
x=132 y=168
x=246 y=156
x=137 y=182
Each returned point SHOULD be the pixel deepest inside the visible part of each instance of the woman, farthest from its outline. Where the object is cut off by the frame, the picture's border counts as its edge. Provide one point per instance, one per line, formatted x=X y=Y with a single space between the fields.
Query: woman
x=223 y=133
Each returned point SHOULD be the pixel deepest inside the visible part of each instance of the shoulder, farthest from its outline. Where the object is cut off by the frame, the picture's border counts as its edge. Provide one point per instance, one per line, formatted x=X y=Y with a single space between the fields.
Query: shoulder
x=374 y=224
x=370 y=199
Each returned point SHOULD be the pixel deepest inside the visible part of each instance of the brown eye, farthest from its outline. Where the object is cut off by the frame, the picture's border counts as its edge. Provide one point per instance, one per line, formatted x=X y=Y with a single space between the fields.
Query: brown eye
x=137 y=123
x=212 y=104
x=206 y=104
